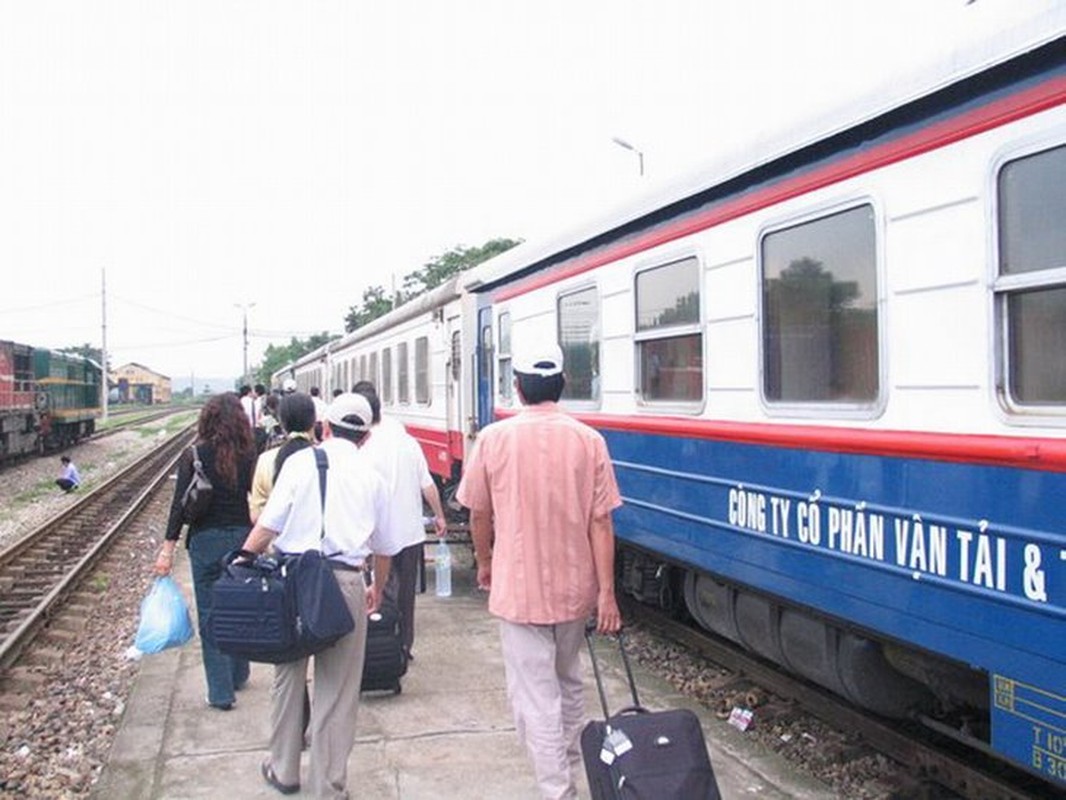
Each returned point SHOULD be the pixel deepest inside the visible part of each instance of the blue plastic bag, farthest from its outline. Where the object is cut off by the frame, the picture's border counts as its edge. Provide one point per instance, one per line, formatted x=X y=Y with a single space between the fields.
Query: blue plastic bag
x=165 y=620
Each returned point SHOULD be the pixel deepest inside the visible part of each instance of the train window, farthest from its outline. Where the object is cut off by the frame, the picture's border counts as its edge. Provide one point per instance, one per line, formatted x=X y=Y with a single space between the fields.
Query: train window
x=668 y=340
x=374 y=369
x=819 y=311
x=386 y=375
x=504 y=376
x=1031 y=288
x=457 y=356
x=485 y=355
x=579 y=338
x=362 y=367
x=422 y=370
x=403 y=384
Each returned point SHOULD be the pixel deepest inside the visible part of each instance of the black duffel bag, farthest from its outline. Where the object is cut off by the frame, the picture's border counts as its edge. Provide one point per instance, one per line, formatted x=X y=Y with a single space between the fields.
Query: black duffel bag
x=276 y=610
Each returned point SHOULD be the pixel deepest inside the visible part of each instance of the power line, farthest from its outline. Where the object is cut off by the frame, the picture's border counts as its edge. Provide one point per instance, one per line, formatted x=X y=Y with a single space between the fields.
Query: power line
x=52 y=304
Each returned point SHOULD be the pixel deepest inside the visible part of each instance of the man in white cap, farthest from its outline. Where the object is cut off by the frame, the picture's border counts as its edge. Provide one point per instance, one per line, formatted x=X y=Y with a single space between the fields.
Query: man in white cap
x=352 y=525
x=540 y=489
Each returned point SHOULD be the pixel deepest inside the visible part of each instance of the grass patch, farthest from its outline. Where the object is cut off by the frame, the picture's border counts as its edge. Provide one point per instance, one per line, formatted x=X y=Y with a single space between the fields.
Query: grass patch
x=100 y=582
x=43 y=487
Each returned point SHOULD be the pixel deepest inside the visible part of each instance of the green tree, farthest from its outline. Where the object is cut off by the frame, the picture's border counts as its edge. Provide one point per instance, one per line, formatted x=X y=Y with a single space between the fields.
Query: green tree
x=377 y=303
x=459 y=258
x=277 y=356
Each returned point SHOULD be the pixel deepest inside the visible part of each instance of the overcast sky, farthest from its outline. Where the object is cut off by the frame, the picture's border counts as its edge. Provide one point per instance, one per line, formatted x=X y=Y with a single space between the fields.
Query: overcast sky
x=208 y=155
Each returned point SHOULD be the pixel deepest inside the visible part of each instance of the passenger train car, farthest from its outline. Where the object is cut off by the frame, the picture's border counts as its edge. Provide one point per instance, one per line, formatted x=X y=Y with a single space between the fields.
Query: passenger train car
x=832 y=378
x=48 y=399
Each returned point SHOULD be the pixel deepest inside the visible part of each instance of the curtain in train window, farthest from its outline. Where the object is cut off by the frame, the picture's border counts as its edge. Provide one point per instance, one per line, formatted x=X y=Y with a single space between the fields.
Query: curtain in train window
x=1032 y=277
x=403 y=383
x=373 y=370
x=422 y=370
x=819 y=311
x=504 y=375
x=579 y=338
x=386 y=376
x=668 y=337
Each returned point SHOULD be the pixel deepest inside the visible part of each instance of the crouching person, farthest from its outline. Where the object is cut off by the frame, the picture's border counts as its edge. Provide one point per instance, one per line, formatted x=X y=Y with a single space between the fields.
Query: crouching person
x=352 y=526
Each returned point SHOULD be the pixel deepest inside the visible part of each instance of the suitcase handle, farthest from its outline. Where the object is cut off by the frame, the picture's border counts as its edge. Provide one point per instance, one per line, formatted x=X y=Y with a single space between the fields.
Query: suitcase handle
x=636 y=708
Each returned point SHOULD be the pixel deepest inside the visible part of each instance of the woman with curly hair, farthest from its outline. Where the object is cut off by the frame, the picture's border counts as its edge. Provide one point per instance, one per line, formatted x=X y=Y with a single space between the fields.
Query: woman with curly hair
x=226 y=449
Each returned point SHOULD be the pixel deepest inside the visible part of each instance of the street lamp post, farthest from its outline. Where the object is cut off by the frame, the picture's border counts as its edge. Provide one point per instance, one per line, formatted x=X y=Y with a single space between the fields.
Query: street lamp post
x=640 y=155
x=244 y=307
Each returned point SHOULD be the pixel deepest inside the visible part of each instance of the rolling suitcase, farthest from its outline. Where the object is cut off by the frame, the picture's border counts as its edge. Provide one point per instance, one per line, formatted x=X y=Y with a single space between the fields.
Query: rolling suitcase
x=637 y=753
x=385 y=662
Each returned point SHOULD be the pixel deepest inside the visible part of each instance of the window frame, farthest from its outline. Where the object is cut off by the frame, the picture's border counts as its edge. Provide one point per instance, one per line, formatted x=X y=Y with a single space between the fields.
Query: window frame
x=502 y=360
x=596 y=379
x=423 y=385
x=386 y=376
x=697 y=328
x=820 y=408
x=1003 y=287
x=403 y=374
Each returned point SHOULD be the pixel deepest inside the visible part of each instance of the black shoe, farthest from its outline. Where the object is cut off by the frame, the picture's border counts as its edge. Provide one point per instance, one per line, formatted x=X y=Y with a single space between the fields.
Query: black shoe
x=272 y=779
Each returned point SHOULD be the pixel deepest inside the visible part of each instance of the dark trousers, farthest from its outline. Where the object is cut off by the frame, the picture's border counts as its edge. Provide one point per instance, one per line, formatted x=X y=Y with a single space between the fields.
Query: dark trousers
x=224 y=673
x=66 y=484
x=403 y=582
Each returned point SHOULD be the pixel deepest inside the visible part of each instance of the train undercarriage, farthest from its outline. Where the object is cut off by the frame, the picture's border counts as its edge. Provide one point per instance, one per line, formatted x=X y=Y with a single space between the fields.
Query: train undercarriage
x=888 y=678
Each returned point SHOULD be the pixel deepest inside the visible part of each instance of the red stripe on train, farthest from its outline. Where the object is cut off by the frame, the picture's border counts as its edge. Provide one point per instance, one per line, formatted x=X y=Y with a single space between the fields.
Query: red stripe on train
x=966 y=448
x=1005 y=451
x=1026 y=103
x=438 y=446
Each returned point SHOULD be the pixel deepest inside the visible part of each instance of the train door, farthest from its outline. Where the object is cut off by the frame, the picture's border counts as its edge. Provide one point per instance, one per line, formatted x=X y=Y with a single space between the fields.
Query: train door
x=453 y=388
x=484 y=367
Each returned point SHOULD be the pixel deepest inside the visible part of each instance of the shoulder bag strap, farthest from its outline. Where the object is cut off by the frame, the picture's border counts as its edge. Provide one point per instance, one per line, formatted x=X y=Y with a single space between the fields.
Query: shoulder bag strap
x=323 y=464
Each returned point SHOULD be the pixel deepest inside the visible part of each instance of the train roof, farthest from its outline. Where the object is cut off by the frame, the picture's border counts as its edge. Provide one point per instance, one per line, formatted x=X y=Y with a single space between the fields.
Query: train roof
x=425 y=302
x=1045 y=29
x=415 y=307
x=10 y=344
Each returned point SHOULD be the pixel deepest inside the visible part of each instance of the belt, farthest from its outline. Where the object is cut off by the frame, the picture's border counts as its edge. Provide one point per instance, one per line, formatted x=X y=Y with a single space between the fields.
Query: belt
x=341 y=565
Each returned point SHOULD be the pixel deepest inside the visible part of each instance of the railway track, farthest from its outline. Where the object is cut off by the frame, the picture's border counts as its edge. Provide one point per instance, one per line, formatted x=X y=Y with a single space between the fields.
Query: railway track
x=945 y=763
x=38 y=572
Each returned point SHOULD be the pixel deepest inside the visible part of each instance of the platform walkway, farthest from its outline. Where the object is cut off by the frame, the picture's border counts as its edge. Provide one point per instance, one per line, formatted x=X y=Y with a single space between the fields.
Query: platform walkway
x=449 y=734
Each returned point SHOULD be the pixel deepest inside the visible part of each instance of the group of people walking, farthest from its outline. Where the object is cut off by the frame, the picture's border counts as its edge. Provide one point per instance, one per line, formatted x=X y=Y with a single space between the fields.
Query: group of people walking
x=540 y=489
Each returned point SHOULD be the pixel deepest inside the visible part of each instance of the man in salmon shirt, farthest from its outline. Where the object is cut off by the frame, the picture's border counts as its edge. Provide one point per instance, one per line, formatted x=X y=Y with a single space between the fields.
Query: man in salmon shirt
x=540 y=488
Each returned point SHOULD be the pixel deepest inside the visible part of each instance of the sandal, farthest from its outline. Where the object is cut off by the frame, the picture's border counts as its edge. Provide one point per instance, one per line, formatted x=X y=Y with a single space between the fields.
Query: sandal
x=272 y=779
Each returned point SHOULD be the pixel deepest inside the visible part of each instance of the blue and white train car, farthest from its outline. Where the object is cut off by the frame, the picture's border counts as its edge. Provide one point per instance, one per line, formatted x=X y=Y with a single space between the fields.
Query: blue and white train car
x=832 y=378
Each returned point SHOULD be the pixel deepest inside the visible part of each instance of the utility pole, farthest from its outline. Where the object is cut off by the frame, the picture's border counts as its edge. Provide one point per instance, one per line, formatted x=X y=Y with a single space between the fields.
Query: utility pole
x=103 y=344
x=244 y=307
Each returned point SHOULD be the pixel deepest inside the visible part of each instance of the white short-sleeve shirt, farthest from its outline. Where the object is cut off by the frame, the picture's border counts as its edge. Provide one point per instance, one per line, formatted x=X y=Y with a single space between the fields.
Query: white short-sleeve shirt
x=357 y=501
x=400 y=460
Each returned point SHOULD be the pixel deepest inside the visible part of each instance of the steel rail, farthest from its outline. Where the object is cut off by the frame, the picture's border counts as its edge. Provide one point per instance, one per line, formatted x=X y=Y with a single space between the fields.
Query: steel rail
x=148 y=472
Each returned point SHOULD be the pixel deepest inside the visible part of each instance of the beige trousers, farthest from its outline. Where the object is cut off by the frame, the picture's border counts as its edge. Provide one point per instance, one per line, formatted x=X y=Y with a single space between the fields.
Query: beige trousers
x=338 y=673
x=545 y=687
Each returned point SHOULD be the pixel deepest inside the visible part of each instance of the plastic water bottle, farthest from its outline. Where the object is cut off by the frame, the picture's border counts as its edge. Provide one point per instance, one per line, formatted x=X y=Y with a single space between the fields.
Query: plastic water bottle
x=443 y=562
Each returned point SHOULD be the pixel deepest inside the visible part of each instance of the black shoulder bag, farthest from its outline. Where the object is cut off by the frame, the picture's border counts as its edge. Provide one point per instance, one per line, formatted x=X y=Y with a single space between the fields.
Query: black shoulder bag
x=197 y=497
x=281 y=609
x=322 y=613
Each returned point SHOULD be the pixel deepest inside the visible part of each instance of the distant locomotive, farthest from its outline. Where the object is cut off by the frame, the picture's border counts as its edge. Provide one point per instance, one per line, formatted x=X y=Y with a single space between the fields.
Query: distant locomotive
x=48 y=400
